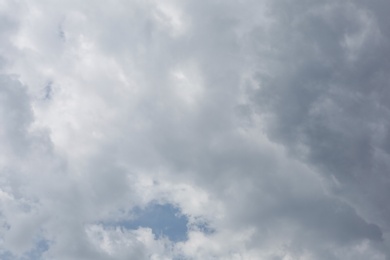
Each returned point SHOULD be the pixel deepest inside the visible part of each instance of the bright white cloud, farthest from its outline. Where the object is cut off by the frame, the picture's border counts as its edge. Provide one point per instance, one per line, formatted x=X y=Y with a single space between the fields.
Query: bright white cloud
x=265 y=123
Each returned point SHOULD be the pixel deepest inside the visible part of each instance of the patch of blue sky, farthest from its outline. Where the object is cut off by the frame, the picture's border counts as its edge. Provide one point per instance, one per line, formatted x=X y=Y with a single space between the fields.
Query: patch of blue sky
x=205 y=228
x=165 y=221
x=37 y=252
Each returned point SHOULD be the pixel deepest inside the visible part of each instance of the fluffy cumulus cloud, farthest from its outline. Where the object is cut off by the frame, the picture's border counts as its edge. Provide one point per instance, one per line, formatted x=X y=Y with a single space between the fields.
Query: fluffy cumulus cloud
x=194 y=129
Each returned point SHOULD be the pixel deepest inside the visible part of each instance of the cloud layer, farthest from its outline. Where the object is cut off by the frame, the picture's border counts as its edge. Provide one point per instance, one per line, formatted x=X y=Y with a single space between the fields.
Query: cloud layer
x=260 y=126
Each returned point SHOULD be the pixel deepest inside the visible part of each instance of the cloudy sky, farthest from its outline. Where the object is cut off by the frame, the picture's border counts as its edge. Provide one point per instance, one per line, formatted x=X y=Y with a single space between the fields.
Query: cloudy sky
x=187 y=129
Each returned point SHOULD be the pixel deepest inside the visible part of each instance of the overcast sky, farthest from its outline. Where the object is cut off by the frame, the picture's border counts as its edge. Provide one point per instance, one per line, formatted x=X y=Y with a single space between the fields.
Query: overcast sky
x=188 y=129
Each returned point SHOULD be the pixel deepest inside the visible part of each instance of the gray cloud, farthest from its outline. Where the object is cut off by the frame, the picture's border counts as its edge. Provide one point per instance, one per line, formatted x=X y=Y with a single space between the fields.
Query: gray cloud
x=325 y=96
x=263 y=122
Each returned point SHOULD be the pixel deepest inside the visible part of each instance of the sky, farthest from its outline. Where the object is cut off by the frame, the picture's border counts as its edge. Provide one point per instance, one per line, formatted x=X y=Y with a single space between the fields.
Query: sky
x=187 y=129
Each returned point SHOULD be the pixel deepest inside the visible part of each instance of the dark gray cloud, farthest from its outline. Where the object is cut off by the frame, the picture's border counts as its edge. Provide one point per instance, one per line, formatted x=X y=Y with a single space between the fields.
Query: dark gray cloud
x=264 y=123
x=325 y=98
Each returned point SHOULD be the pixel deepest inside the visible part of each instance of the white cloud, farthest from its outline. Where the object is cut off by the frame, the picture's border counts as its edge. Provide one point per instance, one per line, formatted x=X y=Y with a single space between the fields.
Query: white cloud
x=264 y=122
